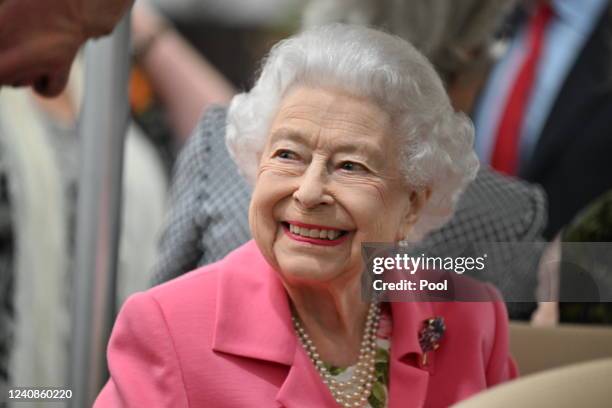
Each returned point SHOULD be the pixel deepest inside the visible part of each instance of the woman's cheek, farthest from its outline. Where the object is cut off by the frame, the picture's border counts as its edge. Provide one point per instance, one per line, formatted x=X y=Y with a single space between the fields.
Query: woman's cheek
x=262 y=230
x=375 y=187
x=371 y=207
x=367 y=195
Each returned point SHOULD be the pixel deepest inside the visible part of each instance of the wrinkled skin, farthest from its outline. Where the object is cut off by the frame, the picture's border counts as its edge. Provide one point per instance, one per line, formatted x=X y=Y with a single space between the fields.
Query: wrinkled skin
x=330 y=160
x=40 y=38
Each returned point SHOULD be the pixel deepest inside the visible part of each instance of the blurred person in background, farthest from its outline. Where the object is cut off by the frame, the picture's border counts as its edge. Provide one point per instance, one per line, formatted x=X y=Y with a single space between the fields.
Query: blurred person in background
x=39 y=169
x=545 y=114
x=455 y=36
x=209 y=199
x=594 y=278
x=185 y=83
x=576 y=267
x=351 y=142
x=208 y=49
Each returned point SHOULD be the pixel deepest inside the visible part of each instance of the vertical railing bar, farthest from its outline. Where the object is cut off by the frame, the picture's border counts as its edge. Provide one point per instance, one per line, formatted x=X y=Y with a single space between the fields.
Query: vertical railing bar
x=102 y=127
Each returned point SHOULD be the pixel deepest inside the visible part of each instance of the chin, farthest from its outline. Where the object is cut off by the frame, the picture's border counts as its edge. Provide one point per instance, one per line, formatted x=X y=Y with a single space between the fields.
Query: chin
x=304 y=268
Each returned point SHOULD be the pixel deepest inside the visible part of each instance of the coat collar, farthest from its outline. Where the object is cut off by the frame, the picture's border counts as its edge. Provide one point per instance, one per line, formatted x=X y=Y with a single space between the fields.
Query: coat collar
x=408 y=377
x=253 y=317
x=253 y=320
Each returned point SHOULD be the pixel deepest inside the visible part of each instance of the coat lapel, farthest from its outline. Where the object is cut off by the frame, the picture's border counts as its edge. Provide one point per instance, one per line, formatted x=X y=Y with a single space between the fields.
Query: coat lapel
x=253 y=316
x=303 y=386
x=408 y=376
x=253 y=320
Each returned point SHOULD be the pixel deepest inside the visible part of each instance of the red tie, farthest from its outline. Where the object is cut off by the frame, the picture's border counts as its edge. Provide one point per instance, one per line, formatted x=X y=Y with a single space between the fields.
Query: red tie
x=505 y=154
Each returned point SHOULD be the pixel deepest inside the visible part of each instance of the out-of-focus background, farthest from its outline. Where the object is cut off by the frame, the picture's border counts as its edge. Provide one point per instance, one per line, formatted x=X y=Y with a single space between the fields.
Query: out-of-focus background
x=535 y=76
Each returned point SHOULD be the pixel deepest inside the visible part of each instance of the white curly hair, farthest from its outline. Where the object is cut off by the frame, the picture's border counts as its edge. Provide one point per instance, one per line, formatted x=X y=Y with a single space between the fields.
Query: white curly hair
x=436 y=141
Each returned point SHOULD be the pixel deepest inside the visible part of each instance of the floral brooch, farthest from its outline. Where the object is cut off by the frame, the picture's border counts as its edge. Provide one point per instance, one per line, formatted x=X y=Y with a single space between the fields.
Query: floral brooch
x=430 y=335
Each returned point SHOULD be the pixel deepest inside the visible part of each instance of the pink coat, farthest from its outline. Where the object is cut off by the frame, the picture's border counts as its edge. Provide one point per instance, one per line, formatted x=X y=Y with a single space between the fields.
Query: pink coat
x=221 y=336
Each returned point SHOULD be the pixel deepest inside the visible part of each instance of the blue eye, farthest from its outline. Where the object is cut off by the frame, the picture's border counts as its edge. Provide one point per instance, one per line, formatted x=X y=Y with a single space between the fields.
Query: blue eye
x=351 y=166
x=285 y=154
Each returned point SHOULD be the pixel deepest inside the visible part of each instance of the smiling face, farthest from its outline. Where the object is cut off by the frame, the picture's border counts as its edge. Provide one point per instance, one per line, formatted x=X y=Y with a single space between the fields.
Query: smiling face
x=328 y=181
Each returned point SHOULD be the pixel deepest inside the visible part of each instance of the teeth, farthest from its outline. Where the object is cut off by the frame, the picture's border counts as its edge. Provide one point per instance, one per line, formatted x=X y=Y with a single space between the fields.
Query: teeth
x=314 y=233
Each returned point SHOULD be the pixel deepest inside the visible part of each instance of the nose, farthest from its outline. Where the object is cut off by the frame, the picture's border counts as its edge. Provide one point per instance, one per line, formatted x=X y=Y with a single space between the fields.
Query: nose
x=312 y=190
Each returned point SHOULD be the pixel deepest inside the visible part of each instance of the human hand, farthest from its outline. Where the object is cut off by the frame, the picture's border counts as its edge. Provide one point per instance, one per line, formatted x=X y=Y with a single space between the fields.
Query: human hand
x=40 y=38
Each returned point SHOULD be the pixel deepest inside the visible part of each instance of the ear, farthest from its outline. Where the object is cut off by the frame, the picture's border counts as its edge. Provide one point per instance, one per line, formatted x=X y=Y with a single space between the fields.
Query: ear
x=418 y=199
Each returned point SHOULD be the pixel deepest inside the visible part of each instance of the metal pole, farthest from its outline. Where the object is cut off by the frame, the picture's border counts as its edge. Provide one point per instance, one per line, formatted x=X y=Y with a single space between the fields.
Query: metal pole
x=103 y=124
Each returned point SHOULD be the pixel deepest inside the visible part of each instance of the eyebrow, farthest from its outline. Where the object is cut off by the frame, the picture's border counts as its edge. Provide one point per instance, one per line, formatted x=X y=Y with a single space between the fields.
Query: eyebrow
x=285 y=133
x=297 y=136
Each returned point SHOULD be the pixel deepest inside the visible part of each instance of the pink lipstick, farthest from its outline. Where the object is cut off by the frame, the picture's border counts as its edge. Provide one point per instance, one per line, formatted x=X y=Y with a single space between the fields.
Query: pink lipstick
x=314 y=241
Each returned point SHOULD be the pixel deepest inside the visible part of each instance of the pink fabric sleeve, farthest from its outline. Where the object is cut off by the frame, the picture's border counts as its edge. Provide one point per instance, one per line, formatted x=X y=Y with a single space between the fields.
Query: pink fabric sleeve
x=143 y=364
x=501 y=366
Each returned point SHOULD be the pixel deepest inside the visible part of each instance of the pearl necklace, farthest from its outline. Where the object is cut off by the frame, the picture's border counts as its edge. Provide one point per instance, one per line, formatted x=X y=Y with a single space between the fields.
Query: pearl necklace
x=355 y=391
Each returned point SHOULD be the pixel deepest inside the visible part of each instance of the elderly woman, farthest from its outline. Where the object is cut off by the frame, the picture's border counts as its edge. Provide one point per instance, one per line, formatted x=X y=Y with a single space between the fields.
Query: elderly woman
x=349 y=137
